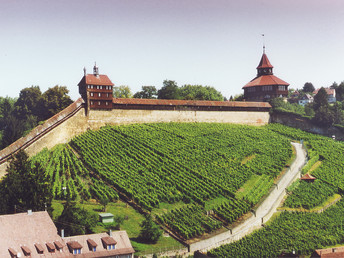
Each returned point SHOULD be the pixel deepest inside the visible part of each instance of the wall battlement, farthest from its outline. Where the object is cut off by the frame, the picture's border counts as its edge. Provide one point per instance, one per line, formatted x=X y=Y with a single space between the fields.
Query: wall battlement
x=73 y=120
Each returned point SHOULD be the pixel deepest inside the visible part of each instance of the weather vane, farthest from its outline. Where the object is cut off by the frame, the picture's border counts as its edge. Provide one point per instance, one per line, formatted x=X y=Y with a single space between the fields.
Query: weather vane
x=263 y=35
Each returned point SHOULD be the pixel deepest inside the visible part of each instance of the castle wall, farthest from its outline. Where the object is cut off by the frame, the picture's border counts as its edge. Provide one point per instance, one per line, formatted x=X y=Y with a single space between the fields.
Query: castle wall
x=98 y=118
x=72 y=121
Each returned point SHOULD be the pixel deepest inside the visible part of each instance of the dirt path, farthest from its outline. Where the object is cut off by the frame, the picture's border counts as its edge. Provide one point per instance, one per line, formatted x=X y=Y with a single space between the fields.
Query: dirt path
x=263 y=212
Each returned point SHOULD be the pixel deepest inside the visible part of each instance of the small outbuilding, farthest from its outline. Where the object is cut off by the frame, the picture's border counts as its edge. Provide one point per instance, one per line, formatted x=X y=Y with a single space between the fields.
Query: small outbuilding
x=308 y=178
x=106 y=217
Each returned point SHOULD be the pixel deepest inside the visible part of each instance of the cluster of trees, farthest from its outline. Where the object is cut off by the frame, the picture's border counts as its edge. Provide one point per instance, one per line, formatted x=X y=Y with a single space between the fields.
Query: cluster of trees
x=18 y=116
x=170 y=90
x=320 y=111
x=24 y=187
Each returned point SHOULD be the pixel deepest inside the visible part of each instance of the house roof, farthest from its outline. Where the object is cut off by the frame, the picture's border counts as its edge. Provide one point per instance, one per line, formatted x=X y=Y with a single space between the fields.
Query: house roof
x=307 y=96
x=119 y=238
x=91 y=79
x=308 y=177
x=265 y=80
x=264 y=62
x=329 y=91
x=105 y=215
x=173 y=102
x=22 y=231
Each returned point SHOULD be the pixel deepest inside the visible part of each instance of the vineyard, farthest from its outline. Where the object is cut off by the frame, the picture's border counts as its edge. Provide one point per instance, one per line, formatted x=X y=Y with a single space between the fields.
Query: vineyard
x=151 y=164
x=301 y=232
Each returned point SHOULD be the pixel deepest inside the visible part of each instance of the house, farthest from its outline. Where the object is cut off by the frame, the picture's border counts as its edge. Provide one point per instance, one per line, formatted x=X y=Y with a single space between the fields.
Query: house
x=305 y=99
x=329 y=252
x=265 y=85
x=33 y=234
x=331 y=94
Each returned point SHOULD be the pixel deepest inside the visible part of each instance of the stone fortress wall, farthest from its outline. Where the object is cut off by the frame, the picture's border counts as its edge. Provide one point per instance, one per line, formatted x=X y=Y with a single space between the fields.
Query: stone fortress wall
x=73 y=121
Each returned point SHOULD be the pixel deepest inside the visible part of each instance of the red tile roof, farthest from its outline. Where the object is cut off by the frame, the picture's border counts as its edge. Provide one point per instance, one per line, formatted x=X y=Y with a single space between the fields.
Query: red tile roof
x=308 y=177
x=173 y=102
x=91 y=79
x=265 y=80
x=264 y=62
x=330 y=252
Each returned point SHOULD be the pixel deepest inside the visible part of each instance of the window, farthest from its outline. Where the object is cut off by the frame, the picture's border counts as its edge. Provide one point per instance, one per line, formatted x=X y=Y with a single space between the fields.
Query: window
x=94 y=249
x=99 y=94
x=91 y=102
x=91 y=94
x=111 y=247
x=281 y=88
x=252 y=89
x=267 y=88
x=77 y=251
x=106 y=103
x=98 y=103
x=107 y=94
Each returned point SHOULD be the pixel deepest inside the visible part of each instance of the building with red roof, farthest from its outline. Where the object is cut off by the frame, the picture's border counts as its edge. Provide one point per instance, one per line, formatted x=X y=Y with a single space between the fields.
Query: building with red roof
x=96 y=90
x=265 y=85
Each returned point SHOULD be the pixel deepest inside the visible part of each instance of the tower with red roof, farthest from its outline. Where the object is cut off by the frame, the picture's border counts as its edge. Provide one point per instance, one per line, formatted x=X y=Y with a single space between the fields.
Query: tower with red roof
x=96 y=90
x=265 y=85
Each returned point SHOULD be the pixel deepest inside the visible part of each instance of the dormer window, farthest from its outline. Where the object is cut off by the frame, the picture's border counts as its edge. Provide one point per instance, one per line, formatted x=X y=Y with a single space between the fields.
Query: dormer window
x=74 y=247
x=51 y=247
x=109 y=243
x=92 y=245
x=13 y=253
x=26 y=251
x=58 y=245
x=39 y=248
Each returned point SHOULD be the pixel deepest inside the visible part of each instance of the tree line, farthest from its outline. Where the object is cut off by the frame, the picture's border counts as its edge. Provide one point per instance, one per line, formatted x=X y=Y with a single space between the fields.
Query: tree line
x=19 y=115
x=171 y=90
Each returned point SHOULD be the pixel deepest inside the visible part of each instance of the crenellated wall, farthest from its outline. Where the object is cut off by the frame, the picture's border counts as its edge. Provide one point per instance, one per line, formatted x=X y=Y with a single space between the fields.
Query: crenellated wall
x=73 y=121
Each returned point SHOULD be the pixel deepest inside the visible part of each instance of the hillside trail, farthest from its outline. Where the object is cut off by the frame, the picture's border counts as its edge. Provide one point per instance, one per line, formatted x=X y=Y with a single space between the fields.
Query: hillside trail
x=267 y=208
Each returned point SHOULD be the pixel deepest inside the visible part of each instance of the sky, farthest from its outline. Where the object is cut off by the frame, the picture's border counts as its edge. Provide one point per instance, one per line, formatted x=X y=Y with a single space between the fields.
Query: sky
x=217 y=43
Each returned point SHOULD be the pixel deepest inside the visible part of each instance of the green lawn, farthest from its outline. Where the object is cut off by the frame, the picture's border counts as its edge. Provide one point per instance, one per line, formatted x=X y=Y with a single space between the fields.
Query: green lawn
x=131 y=224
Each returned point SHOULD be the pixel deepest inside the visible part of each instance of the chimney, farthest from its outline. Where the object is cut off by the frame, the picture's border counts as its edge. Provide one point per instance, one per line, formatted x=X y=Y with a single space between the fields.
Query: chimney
x=29 y=212
x=95 y=70
x=110 y=233
x=62 y=233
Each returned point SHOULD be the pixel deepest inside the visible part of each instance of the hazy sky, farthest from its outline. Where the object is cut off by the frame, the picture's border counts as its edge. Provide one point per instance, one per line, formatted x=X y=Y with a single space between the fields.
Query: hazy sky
x=144 y=42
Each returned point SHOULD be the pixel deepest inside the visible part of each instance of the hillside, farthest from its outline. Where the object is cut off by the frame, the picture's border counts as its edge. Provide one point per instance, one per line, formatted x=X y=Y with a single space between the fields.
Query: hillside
x=301 y=232
x=179 y=172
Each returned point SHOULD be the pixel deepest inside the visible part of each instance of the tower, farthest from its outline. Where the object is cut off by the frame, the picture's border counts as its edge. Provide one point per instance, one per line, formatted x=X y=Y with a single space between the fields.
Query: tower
x=265 y=85
x=96 y=90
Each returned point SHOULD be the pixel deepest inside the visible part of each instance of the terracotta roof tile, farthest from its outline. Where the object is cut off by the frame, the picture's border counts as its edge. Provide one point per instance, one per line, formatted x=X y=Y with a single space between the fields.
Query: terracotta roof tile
x=173 y=102
x=91 y=79
x=328 y=91
x=264 y=62
x=265 y=80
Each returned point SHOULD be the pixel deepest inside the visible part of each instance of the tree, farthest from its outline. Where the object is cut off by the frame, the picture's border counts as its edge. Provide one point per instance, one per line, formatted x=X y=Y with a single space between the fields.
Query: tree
x=147 y=92
x=104 y=201
x=320 y=99
x=308 y=87
x=323 y=116
x=340 y=92
x=25 y=186
x=150 y=232
x=76 y=221
x=199 y=92
x=54 y=100
x=28 y=103
x=122 y=91
x=169 y=90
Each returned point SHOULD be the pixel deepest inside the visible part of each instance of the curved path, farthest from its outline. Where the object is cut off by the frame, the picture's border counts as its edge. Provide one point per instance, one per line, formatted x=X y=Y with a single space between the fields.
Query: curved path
x=263 y=212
